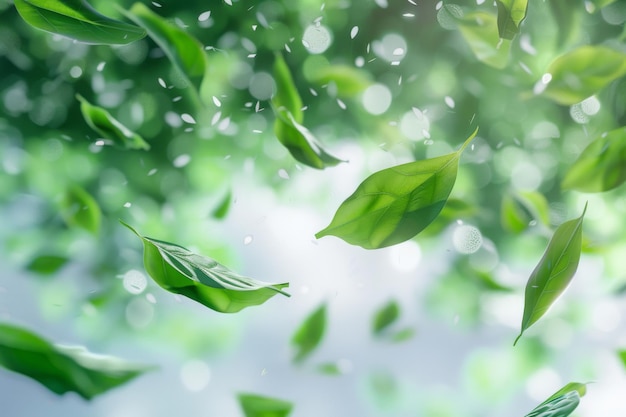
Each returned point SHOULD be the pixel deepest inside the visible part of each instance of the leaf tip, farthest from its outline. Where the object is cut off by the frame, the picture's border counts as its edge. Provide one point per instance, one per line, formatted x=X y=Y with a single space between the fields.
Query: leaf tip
x=469 y=140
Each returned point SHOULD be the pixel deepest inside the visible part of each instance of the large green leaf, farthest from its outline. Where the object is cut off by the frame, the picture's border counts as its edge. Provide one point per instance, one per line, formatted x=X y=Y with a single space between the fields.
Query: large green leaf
x=202 y=279
x=480 y=31
x=310 y=333
x=62 y=368
x=395 y=204
x=76 y=19
x=562 y=403
x=554 y=271
x=511 y=13
x=385 y=317
x=601 y=166
x=254 y=405
x=583 y=72
x=109 y=127
x=79 y=208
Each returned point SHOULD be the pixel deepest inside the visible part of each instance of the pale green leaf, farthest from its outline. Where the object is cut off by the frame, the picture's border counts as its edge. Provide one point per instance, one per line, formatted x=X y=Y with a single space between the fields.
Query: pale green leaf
x=79 y=208
x=309 y=335
x=385 y=317
x=480 y=31
x=511 y=13
x=519 y=209
x=562 y=403
x=347 y=80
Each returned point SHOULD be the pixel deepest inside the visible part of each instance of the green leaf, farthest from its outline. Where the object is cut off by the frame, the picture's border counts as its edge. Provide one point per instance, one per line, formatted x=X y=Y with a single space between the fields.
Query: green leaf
x=258 y=406
x=449 y=16
x=385 y=317
x=309 y=335
x=480 y=31
x=330 y=368
x=511 y=13
x=601 y=166
x=622 y=353
x=62 y=368
x=286 y=92
x=77 y=20
x=79 y=208
x=554 y=271
x=583 y=72
x=395 y=204
x=601 y=3
x=349 y=81
x=47 y=264
x=403 y=335
x=562 y=403
x=519 y=209
x=222 y=208
x=202 y=279
x=109 y=127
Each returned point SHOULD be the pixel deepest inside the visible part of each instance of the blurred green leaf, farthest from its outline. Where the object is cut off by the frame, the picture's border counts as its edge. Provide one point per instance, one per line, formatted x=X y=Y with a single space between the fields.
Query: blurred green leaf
x=287 y=95
x=455 y=209
x=554 y=272
x=568 y=20
x=511 y=13
x=221 y=210
x=562 y=403
x=601 y=3
x=403 y=335
x=47 y=264
x=449 y=16
x=583 y=72
x=62 y=368
x=259 y=406
x=520 y=208
x=385 y=317
x=109 y=127
x=309 y=335
x=202 y=279
x=79 y=208
x=601 y=166
x=330 y=368
x=349 y=81
x=395 y=204
x=480 y=31
x=76 y=19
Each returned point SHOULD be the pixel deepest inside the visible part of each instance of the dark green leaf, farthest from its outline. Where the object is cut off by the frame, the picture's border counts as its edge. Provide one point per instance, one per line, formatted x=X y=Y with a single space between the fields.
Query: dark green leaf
x=521 y=208
x=554 y=271
x=109 y=127
x=78 y=208
x=349 y=81
x=222 y=208
x=310 y=333
x=62 y=368
x=385 y=317
x=511 y=13
x=258 y=406
x=601 y=166
x=583 y=72
x=395 y=204
x=76 y=19
x=47 y=264
x=480 y=31
x=202 y=279
x=562 y=403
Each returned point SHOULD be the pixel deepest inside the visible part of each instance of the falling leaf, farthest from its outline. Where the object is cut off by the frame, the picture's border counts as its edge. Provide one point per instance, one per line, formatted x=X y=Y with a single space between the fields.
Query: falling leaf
x=254 y=405
x=47 y=264
x=310 y=333
x=79 y=208
x=562 y=403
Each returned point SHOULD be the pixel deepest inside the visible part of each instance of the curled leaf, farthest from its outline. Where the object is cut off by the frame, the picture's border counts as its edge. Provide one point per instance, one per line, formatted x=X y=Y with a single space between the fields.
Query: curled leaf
x=562 y=403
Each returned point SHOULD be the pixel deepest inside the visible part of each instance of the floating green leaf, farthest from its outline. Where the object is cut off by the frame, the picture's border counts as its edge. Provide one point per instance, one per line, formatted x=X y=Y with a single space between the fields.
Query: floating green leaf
x=331 y=368
x=562 y=403
x=385 y=317
x=62 y=368
x=395 y=204
x=109 y=127
x=287 y=95
x=554 y=271
x=403 y=335
x=601 y=166
x=79 y=208
x=480 y=31
x=622 y=353
x=521 y=208
x=47 y=264
x=310 y=333
x=76 y=19
x=259 y=406
x=348 y=80
x=511 y=13
x=583 y=72
x=202 y=279
x=222 y=208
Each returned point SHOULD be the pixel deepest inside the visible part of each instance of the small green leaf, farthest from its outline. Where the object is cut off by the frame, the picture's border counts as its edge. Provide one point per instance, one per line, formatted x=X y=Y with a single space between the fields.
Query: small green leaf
x=309 y=335
x=222 y=208
x=554 y=271
x=109 y=127
x=511 y=13
x=287 y=95
x=395 y=204
x=601 y=166
x=403 y=335
x=385 y=317
x=562 y=403
x=330 y=368
x=62 y=368
x=519 y=209
x=258 y=406
x=202 y=279
x=583 y=72
x=76 y=19
x=349 y=81
x=47 y=264
x=79 y=208
x=480 y=31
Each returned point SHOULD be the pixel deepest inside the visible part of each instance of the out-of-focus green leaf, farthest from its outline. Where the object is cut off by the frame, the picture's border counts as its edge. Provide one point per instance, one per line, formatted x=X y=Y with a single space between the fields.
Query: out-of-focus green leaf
x=583 y=72
x=330 y=368
x=202 y=279
x=349 y=81
x=601 y=166
x=79 y=208
x=309 y=335
x=254 y=405
x=395 y=204
x=622 y=353
x=47 y=264
x=287 y=95
x=403 y=335
x=76 y=19
x=62 y=368
x=480 y=31
x=519 y=209
x=511 y=13
x=449 y=16
x=554 y=271
x=222 y=208
x=568 y=20
x=601 y=3
x=562 y=403
x=385 y=317
x=109 y=127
